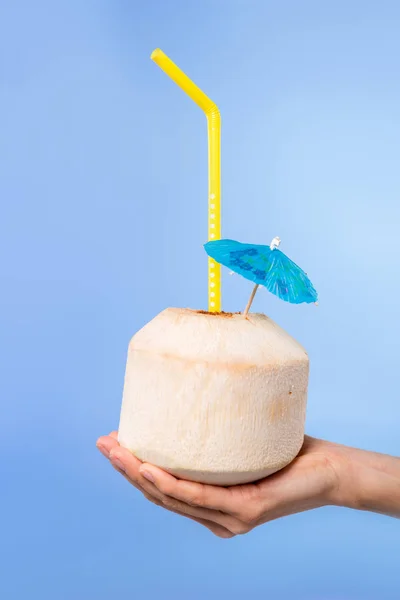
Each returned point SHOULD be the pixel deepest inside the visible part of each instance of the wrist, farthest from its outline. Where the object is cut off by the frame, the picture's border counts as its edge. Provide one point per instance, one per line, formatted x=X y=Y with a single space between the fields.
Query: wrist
x=366 y=481
x=341 y=487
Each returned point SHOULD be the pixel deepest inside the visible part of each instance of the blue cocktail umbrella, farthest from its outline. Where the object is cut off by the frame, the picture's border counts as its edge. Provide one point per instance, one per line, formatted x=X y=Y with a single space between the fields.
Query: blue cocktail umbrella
x=267 y=266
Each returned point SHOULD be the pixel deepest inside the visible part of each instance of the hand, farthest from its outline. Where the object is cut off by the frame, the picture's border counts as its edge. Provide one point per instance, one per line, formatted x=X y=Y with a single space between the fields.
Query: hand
x=314 y=479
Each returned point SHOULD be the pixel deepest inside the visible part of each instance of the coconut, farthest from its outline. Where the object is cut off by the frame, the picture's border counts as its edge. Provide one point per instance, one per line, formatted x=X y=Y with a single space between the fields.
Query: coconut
x=214 y=397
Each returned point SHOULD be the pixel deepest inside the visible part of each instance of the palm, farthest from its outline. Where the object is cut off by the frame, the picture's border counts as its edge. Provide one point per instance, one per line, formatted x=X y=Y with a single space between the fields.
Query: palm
x=304 y=484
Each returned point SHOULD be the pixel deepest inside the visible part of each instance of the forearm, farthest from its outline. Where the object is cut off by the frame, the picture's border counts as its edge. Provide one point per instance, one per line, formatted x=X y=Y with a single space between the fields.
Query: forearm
x=370 y=481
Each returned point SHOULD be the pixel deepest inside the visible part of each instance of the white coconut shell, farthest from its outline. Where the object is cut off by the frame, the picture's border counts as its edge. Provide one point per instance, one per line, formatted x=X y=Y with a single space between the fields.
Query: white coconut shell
x=214 y=398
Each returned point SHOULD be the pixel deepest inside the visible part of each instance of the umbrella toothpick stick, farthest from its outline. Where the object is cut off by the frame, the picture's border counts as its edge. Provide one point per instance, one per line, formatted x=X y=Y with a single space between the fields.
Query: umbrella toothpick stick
x=250 y=302
x=274 y=244
x=214 y=166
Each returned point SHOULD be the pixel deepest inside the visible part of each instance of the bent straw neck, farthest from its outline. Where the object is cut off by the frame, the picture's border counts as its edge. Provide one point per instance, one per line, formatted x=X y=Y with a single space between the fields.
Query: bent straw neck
x=184 y=82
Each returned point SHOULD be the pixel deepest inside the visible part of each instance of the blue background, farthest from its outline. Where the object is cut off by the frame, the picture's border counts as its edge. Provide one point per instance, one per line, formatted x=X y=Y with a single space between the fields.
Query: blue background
x=103 y=179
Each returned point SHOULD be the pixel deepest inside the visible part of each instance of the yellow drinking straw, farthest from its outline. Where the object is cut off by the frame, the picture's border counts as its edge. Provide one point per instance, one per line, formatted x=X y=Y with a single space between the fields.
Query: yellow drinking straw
x=214 y=166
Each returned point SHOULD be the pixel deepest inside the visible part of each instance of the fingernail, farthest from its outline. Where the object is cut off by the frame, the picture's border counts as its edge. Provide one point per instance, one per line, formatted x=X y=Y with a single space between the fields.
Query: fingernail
x=103 y=450
x=147 y=475
x=117 y=463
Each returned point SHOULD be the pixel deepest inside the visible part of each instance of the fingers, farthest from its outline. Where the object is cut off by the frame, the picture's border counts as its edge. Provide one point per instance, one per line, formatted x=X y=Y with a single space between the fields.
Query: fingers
x=241 y=506
x=191 y=500
x=216 y=529
x=195 y=494
x=106 y=443
x=124 y=461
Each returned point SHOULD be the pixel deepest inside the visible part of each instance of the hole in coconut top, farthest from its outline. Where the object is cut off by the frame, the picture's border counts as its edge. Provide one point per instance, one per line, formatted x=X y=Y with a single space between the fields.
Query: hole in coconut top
x=217 y=314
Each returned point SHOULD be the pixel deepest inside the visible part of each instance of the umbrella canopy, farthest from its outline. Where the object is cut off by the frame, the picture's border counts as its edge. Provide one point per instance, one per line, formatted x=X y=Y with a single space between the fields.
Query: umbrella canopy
x=267 y=266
